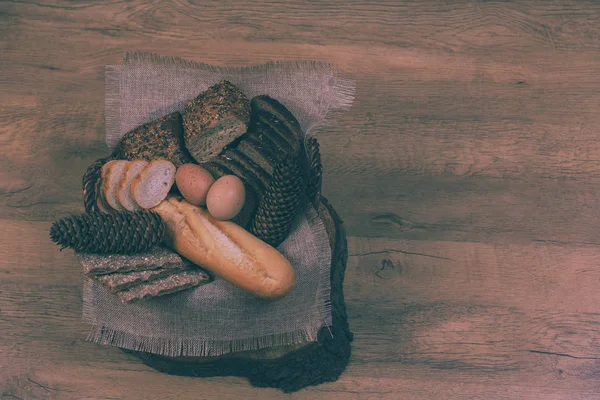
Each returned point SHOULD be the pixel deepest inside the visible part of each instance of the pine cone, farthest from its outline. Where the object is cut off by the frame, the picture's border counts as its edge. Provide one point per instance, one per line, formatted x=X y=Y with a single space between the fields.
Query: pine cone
x=115 y=233
x=89 y=183
x=315 y=171
x=279 y=204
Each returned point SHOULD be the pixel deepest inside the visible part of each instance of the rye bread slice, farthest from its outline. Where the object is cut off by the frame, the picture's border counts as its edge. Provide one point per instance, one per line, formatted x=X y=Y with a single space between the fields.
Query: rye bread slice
x=214 y=119
x=275 y=114
x=153 y=184
x=104 y=264
x=167 y=285
x=161 y=138
x=119 y=281
x=111 y=175
x=132 y=170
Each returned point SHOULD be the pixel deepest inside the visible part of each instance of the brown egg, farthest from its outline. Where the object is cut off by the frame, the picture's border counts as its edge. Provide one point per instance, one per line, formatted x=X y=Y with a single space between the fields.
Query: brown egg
x=193 y=182
x=226 y=197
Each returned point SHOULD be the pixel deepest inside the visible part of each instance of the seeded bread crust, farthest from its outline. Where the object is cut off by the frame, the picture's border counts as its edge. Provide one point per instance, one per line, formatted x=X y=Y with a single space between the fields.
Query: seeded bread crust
x=161 y=138
x=214 y=119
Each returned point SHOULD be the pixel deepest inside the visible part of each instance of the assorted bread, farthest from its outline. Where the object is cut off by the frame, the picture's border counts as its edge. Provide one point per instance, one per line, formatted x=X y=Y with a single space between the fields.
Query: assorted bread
x=225 y=176
x=226 y=249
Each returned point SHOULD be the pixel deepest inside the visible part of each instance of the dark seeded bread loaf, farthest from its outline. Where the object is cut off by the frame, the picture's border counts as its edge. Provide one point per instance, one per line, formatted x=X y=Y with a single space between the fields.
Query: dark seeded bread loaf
x=162 y=138
x=214 y=119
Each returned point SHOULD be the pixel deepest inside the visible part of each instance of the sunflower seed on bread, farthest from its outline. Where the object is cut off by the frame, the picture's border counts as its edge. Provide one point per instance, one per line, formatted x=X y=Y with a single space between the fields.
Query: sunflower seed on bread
x=159 y=257
x=162 y=286
x=215 y=119
x=161 y=138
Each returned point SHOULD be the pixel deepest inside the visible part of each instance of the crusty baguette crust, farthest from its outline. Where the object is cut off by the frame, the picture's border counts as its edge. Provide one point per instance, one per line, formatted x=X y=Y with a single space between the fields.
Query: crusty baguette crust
x=140 y=178
x=226 y=249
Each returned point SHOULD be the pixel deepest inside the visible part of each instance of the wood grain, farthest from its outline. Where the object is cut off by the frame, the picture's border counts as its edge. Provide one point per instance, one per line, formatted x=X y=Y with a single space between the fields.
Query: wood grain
x=466 y=172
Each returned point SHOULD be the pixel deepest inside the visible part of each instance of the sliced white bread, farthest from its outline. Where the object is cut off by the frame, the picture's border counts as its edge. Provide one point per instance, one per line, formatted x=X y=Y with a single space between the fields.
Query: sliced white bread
x=111 y=178
x=132 y=170
x=153 y=184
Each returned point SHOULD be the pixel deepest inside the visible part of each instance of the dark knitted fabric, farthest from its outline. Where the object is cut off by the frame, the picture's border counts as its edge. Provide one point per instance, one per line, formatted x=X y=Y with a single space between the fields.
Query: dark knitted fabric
x=89 y=184
x=313 y=364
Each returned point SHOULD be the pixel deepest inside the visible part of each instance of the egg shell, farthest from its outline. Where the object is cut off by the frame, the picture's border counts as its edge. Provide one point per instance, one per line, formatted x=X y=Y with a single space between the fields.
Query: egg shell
x=226 y=197
x=193 y=183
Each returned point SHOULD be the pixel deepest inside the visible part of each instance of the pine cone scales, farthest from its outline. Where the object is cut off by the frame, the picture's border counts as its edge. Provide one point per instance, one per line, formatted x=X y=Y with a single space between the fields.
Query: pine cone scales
x=279 y=204
x=115 y=233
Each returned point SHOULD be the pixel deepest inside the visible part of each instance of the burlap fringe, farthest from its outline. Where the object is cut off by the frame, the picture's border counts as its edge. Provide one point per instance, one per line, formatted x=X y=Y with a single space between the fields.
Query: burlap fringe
x=344 y=88
x=325 y=258
x=194 y=347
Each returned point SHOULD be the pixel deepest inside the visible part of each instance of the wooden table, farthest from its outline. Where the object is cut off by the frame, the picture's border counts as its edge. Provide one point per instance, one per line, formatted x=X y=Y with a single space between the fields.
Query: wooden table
x=467 y=174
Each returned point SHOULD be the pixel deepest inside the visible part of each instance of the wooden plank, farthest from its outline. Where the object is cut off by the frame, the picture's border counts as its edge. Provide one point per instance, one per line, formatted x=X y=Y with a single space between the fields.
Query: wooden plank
x=470 y=209
x=109 y=381
x=502 y=315
x=553 y=277
x=530 y=275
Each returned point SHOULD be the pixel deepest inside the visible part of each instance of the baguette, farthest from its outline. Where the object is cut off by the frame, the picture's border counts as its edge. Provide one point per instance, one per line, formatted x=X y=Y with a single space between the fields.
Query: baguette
x=226 y=249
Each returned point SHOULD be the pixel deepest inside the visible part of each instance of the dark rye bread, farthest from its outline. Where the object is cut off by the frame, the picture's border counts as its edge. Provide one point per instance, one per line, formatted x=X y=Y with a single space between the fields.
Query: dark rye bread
x=180 y=280
x=161 y=138
x=271 y=113
x=214 y=119
x=273 y=134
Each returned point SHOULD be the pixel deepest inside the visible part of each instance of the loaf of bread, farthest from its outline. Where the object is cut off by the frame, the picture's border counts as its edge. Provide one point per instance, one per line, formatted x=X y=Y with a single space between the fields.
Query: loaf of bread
x=226 y=249
x=214 y=119
x=161 y=138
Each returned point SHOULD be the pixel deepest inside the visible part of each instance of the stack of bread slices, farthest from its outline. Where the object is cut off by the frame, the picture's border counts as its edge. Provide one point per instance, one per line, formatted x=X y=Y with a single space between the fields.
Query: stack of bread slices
x=134 y=185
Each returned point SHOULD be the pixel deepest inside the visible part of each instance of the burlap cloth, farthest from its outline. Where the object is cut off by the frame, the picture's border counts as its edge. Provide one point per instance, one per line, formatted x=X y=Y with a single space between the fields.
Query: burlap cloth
x=219 y=318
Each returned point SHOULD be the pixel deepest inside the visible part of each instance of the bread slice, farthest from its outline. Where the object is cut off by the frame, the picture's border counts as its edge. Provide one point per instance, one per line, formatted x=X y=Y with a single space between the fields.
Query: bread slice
x=153 y=184
x=111 y=175
x=215 y=119
x=133 y=169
